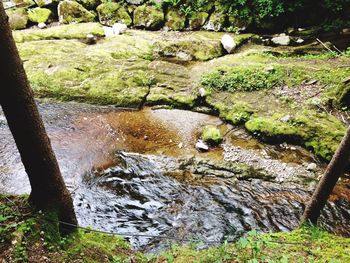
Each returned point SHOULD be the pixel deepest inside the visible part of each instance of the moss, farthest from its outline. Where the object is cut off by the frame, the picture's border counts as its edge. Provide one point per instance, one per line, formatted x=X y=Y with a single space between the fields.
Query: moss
x=197 y=20
x=18 y=18
x=212 y=135
x=341 y=95
x=243 y=78
x=216 y=21
x=89 y=4
x=73 y=31
x=110 y=13
x=175 y=20
x=236 y=113
x=319 y=132
x=73 y=12
x=39 y=15
x=148 y=17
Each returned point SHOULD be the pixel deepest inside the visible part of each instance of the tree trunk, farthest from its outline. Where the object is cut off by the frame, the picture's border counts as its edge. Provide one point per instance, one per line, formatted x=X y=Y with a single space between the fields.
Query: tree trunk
x=325 y=187
x=17 y=101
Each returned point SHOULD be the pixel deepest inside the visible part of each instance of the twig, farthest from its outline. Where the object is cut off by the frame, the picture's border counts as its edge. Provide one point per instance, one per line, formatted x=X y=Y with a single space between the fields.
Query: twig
x=324 y=45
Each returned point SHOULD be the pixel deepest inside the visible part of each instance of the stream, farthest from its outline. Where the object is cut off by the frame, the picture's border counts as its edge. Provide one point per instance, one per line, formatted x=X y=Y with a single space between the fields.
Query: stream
x=138 y=172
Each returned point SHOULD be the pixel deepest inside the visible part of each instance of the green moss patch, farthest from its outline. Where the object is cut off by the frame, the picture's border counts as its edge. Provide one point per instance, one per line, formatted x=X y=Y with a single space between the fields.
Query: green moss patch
x=39 y=15
x=212 y=135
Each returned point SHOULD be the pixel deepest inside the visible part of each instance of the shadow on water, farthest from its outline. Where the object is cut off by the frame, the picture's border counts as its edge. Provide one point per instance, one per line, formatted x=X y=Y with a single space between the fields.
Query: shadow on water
x=138 y=172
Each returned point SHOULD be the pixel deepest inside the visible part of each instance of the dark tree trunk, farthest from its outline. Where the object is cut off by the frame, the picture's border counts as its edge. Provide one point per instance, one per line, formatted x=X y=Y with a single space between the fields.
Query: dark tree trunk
x=325 y=187
x=17 y=101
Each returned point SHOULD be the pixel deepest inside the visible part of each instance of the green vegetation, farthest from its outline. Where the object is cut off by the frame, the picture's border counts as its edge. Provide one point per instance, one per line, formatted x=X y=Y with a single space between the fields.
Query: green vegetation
x=110 y=13
x=243 y=79
x=73 y=12
x=212 y=135
x=28 y=236
x=39 y=15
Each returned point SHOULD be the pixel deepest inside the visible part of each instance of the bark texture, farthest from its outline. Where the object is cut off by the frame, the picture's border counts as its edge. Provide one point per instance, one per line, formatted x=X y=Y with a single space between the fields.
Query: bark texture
x=17 y=101
x=325 y=187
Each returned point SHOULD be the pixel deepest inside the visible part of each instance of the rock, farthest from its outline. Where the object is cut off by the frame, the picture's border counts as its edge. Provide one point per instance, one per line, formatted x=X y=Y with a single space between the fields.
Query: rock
x=212 y=135
x=300 y=40
x=180 y=145
x=197 y=20
x=90 y=39
x=183 y=56
x=119 y=28
x=346 y=81
x=216 y=22
x=73 y=12
x=135 y=2
x=228 y=43
x=42 y=25
x=89 y=4
x=39 y=15
x=110 y=13
x=346 y=31
x=201 y=146
x=108 y=31
x=175 y=20
x=269 y=69
x=42 y=3
x=311 y=167
x=18 y=18
x=202 y=92
x=286 y=118
x=281 y=40
x=148 y=17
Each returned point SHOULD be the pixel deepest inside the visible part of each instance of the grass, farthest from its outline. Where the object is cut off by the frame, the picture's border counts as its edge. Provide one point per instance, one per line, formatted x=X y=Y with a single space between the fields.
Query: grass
x=28 y=236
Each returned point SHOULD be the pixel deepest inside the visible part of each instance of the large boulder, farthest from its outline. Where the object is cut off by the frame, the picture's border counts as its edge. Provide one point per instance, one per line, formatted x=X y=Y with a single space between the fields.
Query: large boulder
x=148 y=17
x=73 y=12
x=175 y=20
x=18 y=18
x=111 y=13
x=197 y=20
x=39 y=15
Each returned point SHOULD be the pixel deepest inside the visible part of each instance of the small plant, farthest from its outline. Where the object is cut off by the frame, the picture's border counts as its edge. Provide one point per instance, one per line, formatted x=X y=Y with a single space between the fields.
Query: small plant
x=187 y=11
x=251 y=247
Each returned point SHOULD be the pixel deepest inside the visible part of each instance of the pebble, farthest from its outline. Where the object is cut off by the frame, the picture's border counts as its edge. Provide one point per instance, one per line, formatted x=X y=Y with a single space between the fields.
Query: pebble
x=201 y=146
x=311 y=167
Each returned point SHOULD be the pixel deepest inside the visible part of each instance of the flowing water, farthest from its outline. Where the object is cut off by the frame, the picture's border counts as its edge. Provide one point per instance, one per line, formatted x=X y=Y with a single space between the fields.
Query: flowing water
x=138 y=172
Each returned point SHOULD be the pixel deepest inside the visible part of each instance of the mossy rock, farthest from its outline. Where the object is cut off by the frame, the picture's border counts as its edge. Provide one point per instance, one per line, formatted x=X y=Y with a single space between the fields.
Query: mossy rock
x=212 y=135
x=216 y=22
x=197 y=20
x=110 y=13
x=90 y=4
x=342 y=95
x=239 y=23
x=18 y=18
x=196 y=47
x=71 y=31
x=175 y=20
x=148 y=17
x=319 y=132
x=39 y=15
x=73 y=12
x=22 y=3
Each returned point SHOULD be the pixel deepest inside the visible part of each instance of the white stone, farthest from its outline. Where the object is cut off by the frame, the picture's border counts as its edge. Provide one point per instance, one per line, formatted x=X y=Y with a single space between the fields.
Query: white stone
x=311 y=167
x=183 y=56
x=286 y=118
x=119 y=28
x=300 y=40
x=201 y=146
x=180 y=145
x=281 y=40
x=202 y=92
x=42 y=25
x=228 y=43
x=108 y=31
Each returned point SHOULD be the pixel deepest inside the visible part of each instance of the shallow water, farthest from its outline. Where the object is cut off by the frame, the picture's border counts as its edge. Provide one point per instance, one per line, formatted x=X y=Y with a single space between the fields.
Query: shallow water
x=138 y=172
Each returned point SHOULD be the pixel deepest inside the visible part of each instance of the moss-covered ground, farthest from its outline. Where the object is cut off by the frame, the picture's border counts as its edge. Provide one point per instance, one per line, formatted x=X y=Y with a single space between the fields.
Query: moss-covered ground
x=276 y=94
x=28 y=236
